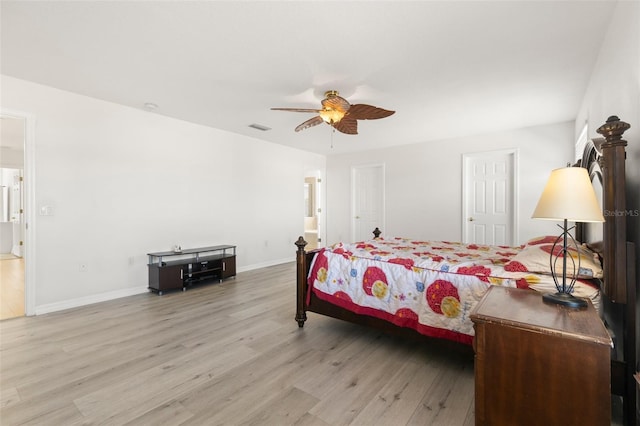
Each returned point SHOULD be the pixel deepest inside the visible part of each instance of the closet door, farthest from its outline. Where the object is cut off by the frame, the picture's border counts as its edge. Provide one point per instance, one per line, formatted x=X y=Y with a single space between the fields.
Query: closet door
x=489 y=198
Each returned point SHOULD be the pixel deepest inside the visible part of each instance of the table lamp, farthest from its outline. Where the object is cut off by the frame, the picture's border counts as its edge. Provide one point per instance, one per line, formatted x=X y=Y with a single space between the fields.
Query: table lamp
x=567 y=196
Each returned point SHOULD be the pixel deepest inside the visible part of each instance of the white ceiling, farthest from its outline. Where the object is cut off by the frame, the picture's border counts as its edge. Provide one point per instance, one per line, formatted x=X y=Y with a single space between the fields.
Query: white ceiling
x=449 y=68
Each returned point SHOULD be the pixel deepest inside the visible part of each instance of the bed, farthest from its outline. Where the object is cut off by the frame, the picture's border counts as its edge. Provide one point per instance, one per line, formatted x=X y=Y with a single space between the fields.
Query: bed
x=432 y=286
x=426 y=289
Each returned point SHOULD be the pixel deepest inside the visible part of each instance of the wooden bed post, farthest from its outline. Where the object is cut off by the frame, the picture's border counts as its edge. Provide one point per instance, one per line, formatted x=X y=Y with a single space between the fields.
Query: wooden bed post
x=615 y=204
x=301 y=314
x=619 y=264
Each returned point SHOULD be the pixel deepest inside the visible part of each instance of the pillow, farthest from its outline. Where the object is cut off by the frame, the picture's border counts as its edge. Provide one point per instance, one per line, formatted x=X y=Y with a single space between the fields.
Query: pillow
x=547 y=239
x=596 y=247
x=535 y=258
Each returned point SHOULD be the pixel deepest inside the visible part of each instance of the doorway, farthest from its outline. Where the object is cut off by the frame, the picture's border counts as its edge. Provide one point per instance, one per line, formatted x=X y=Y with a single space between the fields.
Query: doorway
x=367 y=201
x=489 y=198
x=12 y=263
x=311 y=212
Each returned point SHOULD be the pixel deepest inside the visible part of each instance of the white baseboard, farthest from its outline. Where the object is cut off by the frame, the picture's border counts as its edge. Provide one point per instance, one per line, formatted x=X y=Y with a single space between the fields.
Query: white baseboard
x=88 y=300
x=265 y=264
x=103 y=297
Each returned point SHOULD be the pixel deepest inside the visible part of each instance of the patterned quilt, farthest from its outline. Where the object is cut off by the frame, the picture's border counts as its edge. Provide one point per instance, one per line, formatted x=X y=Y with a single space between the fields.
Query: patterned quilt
x=430 y=286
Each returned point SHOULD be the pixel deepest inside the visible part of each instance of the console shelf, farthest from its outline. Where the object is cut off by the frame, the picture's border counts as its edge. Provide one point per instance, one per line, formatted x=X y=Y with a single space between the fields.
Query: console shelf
x=173 y=270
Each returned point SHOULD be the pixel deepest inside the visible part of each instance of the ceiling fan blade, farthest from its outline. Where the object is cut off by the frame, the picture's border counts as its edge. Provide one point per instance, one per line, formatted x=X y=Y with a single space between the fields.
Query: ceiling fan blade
x=296 y=109
x=336 y=102
x=367 y=112
x=347 y=125
x=310 y=123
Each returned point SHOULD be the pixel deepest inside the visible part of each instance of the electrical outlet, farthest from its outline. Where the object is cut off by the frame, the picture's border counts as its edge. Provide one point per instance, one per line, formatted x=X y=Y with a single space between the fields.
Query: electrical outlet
x=82 y=267
x=131 y=260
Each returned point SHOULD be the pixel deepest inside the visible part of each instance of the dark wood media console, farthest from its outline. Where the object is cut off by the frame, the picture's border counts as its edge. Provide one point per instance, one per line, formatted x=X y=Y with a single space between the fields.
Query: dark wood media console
x=173 y=270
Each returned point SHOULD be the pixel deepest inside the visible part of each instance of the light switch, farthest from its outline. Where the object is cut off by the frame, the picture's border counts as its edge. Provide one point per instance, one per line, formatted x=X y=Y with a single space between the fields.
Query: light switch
x=46 y=211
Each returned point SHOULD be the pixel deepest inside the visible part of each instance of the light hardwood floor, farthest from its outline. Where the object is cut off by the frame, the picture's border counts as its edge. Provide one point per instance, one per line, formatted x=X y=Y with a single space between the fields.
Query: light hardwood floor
x=227 y=353
x=11 y=287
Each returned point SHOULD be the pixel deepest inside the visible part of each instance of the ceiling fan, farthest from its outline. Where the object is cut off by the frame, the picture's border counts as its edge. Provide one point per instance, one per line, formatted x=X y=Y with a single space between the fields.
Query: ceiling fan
x=339 y=114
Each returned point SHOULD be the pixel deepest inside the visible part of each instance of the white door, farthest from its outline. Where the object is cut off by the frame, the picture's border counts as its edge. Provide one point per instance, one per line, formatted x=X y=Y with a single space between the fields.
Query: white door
x=489 y=201
x=367 y=195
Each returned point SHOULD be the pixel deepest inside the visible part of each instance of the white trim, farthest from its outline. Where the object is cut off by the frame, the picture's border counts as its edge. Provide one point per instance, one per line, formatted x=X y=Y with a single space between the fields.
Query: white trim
x=322 y=214
x=268 y=263
x=320 y=205
x=29 y=187
x=516 y=190
x=89 y=300
x=581 y=142
x=132 y=291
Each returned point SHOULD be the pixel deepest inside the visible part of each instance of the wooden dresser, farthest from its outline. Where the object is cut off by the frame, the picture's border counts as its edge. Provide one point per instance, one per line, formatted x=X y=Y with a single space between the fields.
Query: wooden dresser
x=539 y=364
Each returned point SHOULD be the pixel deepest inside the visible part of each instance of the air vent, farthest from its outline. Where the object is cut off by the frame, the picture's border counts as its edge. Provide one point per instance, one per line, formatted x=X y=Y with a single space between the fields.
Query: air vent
x=260 y=127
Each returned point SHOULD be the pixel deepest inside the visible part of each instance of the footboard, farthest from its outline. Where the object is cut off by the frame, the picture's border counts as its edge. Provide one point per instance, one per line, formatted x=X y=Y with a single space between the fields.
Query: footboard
x=303 y=262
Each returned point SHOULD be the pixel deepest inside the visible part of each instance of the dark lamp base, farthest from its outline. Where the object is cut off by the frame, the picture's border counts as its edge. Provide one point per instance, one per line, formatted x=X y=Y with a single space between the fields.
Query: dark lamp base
x=564 y=299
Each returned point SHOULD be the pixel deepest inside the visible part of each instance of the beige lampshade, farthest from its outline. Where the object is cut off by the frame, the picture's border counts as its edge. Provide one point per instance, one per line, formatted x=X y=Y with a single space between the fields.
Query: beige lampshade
x=569 y=195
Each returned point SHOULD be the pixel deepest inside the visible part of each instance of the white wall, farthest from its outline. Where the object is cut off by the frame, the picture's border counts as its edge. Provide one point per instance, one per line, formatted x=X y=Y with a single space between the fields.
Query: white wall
x=614 y=89
x=424 y=182
x=123 y=182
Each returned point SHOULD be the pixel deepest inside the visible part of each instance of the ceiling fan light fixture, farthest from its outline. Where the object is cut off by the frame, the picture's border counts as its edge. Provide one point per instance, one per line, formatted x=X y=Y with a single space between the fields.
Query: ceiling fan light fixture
x=339 y=114
x=331 y=116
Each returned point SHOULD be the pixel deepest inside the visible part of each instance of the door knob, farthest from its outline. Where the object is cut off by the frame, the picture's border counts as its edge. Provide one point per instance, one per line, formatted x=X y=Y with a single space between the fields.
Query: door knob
x=471 y=219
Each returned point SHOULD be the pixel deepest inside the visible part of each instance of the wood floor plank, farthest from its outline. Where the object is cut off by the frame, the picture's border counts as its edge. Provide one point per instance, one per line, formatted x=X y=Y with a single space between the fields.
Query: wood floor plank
x=310 y=420
x=11 y=287
x=396 y=401
x=356 y=385
x=282 y=408
x=41 y=396
x=326 y=367
x=169 y=414
x=448 y=398
x=148 y=389
x=222 y=354
x=9 y=397
x=243 y=390
x=67 y=415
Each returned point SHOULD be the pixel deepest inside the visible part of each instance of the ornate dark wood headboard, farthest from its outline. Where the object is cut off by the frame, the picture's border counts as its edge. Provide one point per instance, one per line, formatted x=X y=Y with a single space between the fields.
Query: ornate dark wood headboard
x=614 y=208
x=605 y=161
